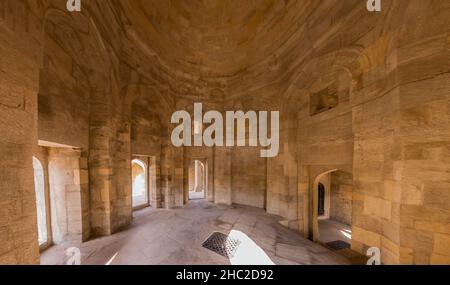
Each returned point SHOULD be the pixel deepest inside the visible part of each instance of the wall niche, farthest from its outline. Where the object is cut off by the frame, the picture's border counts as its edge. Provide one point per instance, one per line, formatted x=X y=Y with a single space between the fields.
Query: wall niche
x=324 y=100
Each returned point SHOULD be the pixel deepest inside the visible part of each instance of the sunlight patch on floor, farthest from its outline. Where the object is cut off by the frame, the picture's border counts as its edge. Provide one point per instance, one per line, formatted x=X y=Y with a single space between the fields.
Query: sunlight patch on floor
x=248 y=253
x=110 y=261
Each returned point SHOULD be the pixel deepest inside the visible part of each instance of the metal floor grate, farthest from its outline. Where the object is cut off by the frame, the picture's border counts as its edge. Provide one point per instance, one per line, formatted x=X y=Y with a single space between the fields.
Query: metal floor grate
x=222 y=244
x=338 y=245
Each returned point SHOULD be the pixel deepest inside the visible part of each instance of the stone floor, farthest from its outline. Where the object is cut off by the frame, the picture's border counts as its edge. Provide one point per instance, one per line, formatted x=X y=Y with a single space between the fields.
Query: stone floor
x=175 y=237
x=331 y=230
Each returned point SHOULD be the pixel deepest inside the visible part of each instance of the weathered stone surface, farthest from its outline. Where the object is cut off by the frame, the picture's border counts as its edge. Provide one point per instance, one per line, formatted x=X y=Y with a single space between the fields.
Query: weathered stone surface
x=364 y=102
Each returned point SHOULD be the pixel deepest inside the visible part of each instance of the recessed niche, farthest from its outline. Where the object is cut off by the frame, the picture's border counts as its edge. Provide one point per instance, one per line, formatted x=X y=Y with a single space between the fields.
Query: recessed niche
x=324 y=100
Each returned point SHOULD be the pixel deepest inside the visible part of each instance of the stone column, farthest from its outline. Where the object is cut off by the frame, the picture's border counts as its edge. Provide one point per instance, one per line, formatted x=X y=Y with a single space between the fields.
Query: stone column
x=222 y=175
x=19 y=84
x=109 y=160
x=100 y=168
x=155 y=182
x=166 y=174
x=282 y=172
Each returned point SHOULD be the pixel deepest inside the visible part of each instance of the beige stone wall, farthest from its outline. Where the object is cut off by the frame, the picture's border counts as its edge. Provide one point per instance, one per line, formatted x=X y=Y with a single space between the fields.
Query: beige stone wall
x=19 y=49
x=69 y=195
x=422 y=174
x=63 y=90
x=146 y=128
x=248 y=177
x=341 y=197
x=383 y=129
x=386 y=187
x=222 y=176
x=191 y=177
x=361 y=93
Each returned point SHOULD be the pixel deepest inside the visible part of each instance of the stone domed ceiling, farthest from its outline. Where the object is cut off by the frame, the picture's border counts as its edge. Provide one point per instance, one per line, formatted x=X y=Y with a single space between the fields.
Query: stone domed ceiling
x=214 y=38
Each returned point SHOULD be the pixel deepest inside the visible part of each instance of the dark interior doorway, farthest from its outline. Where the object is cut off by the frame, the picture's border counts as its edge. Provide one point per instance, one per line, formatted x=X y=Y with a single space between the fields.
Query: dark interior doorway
x=321 y=209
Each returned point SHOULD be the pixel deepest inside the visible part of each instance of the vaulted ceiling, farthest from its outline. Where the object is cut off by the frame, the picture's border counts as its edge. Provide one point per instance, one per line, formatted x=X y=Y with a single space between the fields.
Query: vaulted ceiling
x=214 y=38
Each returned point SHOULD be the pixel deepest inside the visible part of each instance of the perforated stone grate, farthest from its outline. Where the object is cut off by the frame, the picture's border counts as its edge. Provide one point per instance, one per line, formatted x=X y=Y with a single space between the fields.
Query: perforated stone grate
x=338 y=245
x=222 y=244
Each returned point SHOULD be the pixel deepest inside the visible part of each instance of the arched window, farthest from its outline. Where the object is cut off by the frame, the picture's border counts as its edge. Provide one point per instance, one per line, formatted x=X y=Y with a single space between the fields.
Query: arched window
x=39 y=184
x=139 y=180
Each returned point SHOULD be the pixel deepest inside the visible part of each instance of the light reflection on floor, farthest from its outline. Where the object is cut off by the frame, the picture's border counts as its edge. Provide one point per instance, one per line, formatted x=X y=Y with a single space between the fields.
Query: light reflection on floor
x=248 y=252
x=331 y=230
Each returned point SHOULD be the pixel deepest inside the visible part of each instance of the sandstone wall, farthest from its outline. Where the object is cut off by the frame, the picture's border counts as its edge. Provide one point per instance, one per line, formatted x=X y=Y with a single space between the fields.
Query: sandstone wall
x=222 y=176
x=69 y=195
x=341 y=197
x=63 y=92
x=248 y=177
x=146 y=125
x=422 y=174
x=387 y=195
x=24 y=53
x=361 y=93
x=19 y=67
x=357 y=82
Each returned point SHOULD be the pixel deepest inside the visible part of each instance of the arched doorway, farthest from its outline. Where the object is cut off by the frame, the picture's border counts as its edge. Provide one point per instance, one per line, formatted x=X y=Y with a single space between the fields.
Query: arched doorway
x=321 y=206
x=332 y=209
x=139 y=184
x=41 y=205
x=197 y=180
